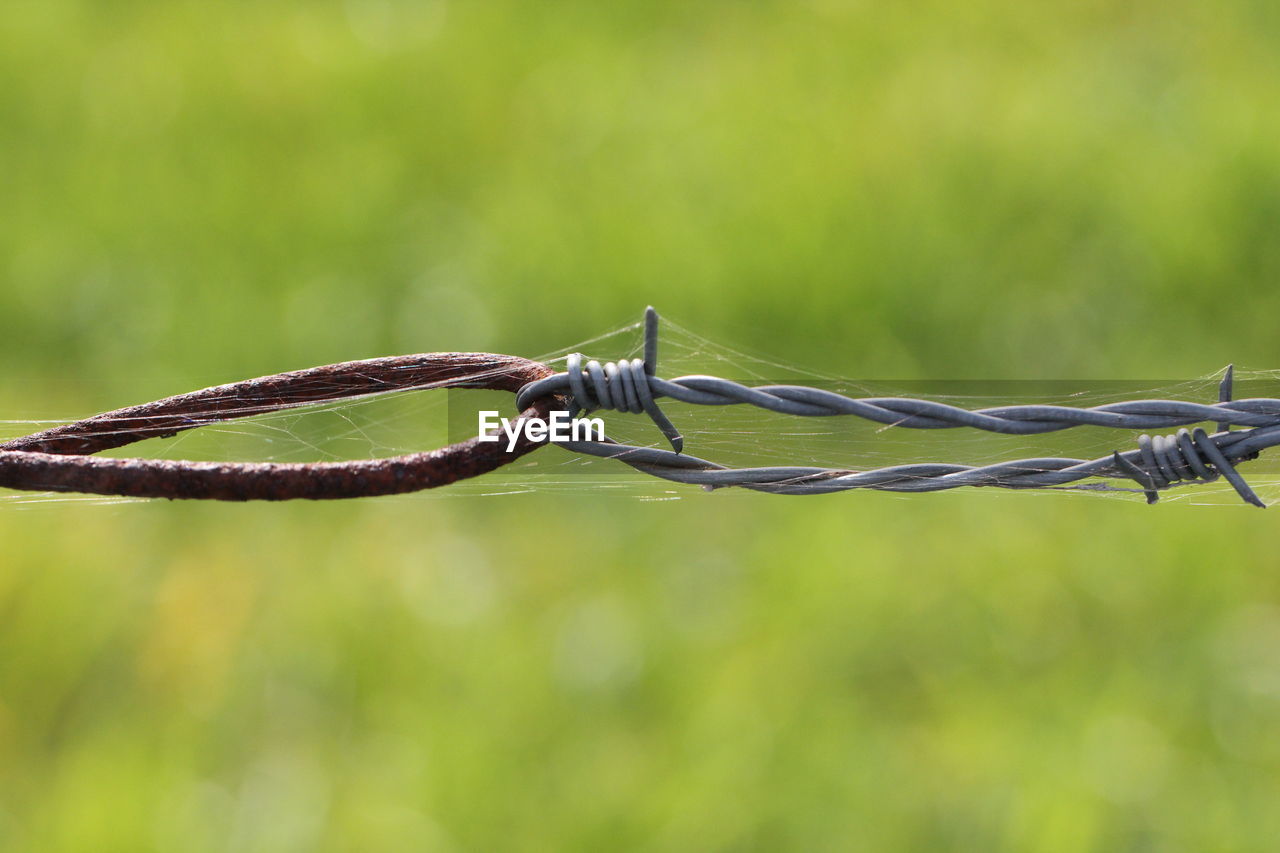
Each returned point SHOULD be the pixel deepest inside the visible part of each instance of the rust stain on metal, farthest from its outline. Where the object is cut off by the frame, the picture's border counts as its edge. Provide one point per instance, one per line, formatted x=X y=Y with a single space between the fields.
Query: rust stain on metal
x=59 y=459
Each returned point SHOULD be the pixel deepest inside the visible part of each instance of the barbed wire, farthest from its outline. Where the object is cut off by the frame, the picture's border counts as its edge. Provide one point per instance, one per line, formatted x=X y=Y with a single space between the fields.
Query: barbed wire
x=1159 y=463
x=60 y=459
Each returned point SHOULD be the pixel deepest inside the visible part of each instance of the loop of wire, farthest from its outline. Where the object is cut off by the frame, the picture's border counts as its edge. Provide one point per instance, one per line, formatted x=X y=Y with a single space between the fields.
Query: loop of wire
x=60 y=459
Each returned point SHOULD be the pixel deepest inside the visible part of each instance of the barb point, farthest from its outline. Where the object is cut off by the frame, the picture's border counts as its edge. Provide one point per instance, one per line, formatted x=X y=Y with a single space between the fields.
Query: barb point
x=650 y=341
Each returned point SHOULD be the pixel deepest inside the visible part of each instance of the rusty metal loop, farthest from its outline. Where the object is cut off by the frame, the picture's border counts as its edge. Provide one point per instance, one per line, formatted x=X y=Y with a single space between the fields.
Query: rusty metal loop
x=58 y=459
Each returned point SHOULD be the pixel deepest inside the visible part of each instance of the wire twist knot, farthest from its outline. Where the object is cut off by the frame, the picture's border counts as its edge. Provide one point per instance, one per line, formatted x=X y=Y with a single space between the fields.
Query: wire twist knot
x=619 y=386
x=1187 y=457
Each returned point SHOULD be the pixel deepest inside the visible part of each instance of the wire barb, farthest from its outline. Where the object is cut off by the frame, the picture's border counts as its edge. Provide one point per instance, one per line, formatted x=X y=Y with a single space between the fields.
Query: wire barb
x=622 y=386
x=1188 y=457
x=1225 y=389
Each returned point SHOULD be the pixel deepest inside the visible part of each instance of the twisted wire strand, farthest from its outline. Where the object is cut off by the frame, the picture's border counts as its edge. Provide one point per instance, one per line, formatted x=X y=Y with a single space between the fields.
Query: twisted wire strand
x=615 y=389
x=1159 y=463
x=1036 y=473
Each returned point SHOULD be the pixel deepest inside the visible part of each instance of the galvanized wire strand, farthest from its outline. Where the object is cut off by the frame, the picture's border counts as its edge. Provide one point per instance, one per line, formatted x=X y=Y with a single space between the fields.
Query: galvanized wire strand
x=1035 y=473
x=1157 y=464
x=603 y=389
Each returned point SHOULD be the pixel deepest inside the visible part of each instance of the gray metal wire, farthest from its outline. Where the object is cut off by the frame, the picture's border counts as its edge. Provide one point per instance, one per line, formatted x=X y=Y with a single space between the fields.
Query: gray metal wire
x=1158 y=463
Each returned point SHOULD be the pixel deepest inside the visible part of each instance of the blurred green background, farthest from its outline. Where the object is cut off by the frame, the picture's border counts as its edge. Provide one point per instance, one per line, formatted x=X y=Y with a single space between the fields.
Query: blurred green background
x=192 y=193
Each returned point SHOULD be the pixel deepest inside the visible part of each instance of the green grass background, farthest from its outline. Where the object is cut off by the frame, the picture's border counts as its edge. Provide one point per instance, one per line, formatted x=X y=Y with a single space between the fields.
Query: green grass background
x=191 y=193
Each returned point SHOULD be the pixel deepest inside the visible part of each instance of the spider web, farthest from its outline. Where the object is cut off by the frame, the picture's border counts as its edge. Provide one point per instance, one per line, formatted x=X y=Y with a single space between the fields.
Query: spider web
x=399 y=422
